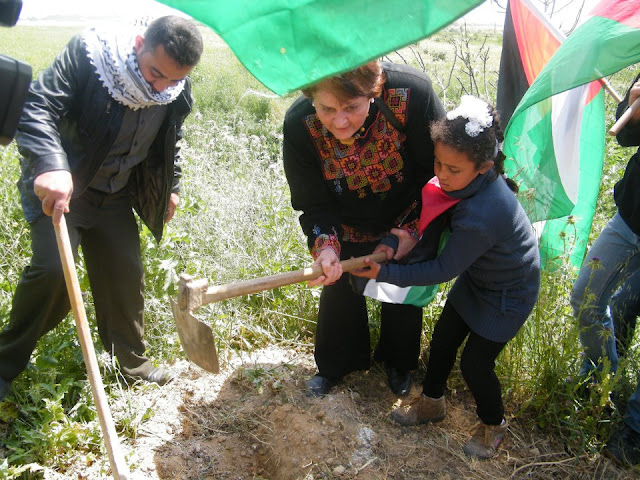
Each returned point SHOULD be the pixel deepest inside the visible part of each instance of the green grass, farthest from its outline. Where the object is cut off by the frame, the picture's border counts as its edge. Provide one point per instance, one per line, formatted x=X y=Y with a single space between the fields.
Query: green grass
x=35 y=46
x=235 y=222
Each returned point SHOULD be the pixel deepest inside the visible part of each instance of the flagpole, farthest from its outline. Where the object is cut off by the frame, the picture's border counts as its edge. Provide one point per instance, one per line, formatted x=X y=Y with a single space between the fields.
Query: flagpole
x=609 y=88
x=625 y=117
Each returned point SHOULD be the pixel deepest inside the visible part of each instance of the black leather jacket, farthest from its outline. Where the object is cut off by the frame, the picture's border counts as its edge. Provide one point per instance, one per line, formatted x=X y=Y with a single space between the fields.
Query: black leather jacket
x=70 y=122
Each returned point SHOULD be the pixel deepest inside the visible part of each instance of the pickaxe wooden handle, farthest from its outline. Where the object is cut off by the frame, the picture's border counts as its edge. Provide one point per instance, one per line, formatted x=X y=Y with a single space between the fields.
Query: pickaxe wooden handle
x=196 y=336
x=195 y=293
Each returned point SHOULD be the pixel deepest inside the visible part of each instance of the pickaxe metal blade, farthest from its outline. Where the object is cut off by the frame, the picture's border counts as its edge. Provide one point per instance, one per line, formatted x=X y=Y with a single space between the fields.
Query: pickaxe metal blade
x=196 y=337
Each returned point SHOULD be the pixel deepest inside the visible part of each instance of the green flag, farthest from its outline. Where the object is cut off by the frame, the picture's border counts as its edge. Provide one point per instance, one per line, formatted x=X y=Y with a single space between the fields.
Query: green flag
x=554 y=141
x=288 y=44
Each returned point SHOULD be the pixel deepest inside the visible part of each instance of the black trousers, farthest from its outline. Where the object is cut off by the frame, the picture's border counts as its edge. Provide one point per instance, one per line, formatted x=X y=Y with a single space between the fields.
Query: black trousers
x=105 y=227
x=477 y=364
x=343 y=343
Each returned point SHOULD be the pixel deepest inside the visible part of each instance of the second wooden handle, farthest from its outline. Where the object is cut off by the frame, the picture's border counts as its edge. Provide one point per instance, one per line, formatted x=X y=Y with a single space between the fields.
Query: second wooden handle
x=114 y=451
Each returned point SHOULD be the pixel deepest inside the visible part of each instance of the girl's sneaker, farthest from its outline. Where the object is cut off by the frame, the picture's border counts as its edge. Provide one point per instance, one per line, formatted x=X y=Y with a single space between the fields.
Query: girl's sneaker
x=419 y=410
x=485 y=440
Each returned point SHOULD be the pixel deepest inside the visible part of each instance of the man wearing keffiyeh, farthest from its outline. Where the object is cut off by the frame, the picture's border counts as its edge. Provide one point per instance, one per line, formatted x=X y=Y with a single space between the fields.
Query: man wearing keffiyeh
x=98 y=139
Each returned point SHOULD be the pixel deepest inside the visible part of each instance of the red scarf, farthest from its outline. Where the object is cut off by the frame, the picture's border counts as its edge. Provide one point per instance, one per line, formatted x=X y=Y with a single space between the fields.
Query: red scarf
x=434 y=202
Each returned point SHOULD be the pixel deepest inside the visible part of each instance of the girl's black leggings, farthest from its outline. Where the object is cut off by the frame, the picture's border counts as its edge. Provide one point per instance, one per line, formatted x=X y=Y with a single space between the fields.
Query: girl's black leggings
x=477 y=364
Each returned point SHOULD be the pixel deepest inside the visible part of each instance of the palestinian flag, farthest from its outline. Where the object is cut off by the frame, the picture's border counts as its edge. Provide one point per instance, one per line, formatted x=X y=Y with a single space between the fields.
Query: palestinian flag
x=418 y=295
x=388 y=293
x=554 y=141
x=288 y=44
x=433 y=230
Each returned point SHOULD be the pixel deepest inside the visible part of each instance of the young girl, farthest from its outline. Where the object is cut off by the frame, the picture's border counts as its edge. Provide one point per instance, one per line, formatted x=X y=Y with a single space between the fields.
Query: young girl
x=493 y=252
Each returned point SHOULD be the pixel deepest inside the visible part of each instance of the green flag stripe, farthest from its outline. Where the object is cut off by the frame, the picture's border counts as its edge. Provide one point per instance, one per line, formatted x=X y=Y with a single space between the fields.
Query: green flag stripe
x=568 y=234
x=531 y=162
x=598 y=48
x=421 y=296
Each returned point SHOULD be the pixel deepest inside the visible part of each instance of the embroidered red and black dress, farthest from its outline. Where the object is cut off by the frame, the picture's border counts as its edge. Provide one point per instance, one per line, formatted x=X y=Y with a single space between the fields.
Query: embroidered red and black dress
x=357 y=193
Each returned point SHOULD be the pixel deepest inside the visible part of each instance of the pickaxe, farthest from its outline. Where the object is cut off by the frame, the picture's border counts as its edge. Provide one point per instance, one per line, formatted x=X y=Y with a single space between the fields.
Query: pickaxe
x=196 y=336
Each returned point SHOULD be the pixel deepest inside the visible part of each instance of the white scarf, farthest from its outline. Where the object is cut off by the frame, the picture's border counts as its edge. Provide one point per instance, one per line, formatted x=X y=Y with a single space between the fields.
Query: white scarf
x=114 y=58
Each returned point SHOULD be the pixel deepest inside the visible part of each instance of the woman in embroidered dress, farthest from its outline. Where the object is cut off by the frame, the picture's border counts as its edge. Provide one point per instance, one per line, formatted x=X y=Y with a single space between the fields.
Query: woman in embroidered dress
x=493 y=252
x=357 y=152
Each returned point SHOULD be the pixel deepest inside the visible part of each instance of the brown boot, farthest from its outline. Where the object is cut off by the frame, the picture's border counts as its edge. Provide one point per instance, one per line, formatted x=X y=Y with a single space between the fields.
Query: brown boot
x=485 y=440
x=422 y=409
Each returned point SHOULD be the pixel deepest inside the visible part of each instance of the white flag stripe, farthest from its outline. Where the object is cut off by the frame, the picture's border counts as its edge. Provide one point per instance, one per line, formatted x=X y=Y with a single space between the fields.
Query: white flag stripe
x=566 y=113
x=386 y=292
x=538 y=228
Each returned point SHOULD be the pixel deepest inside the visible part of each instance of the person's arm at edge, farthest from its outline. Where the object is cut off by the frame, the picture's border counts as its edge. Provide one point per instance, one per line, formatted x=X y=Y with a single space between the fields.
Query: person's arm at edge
x=50 y=97
x=629 y=135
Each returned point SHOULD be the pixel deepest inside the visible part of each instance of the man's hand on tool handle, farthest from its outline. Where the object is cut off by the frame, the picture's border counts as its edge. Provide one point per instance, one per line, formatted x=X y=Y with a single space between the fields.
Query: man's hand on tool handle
x=331 y=268
x=54 y=190
x=171 y=208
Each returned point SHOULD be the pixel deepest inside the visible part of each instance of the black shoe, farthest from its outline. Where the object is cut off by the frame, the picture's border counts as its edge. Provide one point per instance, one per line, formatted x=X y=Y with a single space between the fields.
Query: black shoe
x=399 y=381
x=624 y=447
x=4 y=388
x=158 y=375
x=318 y=385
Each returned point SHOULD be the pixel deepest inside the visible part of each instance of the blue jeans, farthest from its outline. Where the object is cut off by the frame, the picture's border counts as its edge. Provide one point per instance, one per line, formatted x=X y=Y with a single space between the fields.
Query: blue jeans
x=607 y=275
x=606 y=302
x=632 y=416
x=625 y=308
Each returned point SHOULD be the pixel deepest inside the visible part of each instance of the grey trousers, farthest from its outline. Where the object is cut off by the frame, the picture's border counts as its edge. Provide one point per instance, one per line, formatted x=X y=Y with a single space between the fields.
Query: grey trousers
x=104 y=225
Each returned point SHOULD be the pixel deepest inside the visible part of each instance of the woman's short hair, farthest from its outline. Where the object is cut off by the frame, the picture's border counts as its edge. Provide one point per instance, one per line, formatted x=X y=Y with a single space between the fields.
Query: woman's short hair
x=364 y=81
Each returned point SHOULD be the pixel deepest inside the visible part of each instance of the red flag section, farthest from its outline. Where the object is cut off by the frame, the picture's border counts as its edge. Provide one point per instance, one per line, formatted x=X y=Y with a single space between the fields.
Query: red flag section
x=529 y=40
x=626 y=12
x=528 y=25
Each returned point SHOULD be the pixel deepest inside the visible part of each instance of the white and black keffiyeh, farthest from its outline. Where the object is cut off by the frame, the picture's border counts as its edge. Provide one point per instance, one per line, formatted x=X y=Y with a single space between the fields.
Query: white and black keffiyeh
x=114 y=58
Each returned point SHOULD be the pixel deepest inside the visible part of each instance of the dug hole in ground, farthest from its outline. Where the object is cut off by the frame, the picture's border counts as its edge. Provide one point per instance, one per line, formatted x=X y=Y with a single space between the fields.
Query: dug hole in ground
x=253 y=421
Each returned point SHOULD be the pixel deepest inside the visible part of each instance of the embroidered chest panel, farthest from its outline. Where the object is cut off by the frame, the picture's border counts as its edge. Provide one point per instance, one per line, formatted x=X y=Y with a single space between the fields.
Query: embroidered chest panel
x=372 y=163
